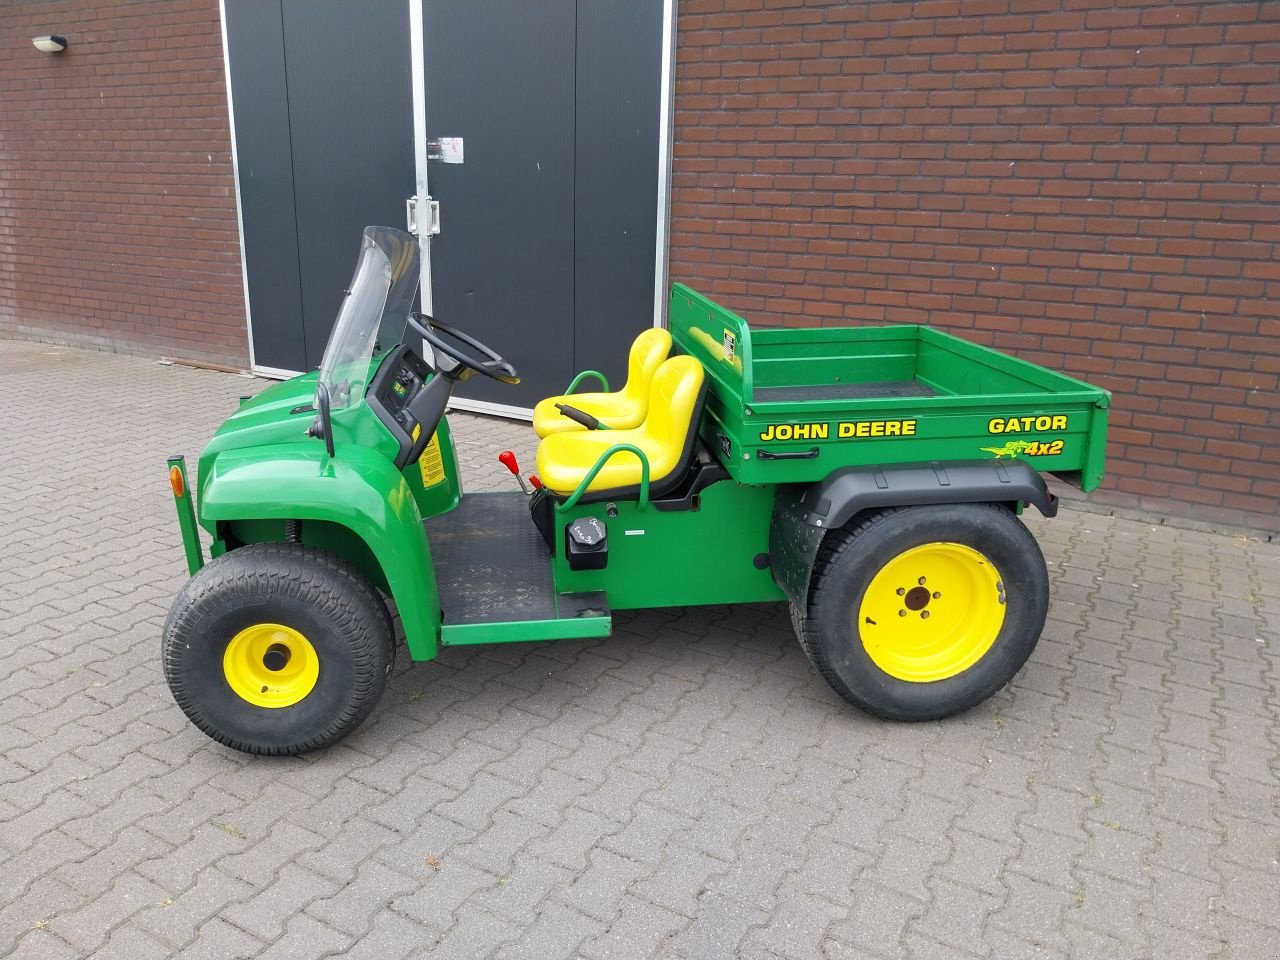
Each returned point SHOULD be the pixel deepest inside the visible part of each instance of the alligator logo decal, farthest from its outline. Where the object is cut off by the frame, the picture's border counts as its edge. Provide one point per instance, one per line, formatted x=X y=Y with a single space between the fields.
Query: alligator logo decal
x=1010 y=449
x=1028 y=448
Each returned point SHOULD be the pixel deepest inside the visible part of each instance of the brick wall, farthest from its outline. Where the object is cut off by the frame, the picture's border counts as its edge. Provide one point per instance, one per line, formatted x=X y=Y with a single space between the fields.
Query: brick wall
x=1087 y=184
x=117 y=202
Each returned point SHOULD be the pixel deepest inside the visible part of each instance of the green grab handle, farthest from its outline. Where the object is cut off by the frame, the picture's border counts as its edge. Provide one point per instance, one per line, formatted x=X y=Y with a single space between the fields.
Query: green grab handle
x=599 y=464
x=583 y=376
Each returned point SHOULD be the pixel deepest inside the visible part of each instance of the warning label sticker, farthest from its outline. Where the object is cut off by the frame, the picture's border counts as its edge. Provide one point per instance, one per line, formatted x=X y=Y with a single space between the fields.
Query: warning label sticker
x=431 y=464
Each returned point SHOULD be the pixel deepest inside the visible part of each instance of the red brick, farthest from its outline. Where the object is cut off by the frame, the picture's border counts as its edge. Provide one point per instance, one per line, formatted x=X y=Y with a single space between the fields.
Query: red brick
x=145 y=120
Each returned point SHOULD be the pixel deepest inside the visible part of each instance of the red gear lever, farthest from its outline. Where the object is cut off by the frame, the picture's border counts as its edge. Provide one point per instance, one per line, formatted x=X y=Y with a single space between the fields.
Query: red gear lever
x=508 y=459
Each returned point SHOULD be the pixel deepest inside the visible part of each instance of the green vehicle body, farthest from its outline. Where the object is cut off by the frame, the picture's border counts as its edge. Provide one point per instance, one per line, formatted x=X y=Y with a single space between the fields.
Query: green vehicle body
x=261 y=469
x=778 y=417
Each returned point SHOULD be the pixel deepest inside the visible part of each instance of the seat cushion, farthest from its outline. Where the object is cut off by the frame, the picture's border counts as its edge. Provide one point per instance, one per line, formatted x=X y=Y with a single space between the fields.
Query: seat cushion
x=619 y=410
x=565 y=458
x=666 y=437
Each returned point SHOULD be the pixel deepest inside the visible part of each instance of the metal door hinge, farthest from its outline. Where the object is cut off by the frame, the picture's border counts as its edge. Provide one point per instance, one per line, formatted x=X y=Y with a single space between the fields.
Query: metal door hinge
x=433 y=216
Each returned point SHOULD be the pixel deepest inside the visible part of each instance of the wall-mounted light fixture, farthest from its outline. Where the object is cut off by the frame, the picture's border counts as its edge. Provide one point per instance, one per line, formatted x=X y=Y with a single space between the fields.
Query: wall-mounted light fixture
x=54 y=43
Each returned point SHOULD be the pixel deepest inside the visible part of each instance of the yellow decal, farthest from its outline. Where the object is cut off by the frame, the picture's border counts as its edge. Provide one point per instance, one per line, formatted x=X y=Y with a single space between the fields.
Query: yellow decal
x=1026 y=424
x=879 y=428
x=715 y=349
x=796 y=431
x=845 y=430
x=417 y=432
x=1026 y=448
x=431 y=464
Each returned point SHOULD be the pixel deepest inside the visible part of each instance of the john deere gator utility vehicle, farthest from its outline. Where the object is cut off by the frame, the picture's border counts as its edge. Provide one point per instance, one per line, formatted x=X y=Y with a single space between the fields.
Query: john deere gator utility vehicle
x=870 y=477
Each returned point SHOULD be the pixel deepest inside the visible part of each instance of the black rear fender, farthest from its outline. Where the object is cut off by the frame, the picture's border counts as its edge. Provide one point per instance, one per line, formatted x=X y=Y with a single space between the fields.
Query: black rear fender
x=803 y=513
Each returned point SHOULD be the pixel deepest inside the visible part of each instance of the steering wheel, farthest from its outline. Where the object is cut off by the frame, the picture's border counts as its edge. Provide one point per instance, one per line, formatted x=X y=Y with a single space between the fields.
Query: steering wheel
x=494 y=367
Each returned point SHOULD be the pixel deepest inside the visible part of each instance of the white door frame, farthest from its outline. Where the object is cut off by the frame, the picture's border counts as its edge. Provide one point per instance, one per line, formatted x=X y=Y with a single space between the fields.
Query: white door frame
x=665 y=125
x=235 y=175
x=666 y=131
x=418 y=74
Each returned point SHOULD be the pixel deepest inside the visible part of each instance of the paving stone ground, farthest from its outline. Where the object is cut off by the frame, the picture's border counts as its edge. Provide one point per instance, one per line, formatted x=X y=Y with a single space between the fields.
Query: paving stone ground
x=688 y=788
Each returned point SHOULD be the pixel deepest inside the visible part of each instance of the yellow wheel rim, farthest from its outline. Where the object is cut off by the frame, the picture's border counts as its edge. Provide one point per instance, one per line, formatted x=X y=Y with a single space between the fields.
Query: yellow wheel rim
x=271 y=665
x=932 y=612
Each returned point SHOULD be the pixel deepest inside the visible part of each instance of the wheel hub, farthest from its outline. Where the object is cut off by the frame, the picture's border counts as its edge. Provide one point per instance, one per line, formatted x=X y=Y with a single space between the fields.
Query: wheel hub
x=276 y=658
x=931 y=612
x=917 y=598
x=271 y=665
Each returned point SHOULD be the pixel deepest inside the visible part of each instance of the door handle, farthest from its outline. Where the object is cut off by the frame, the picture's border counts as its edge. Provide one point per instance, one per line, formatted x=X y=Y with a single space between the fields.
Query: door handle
x=787 y=454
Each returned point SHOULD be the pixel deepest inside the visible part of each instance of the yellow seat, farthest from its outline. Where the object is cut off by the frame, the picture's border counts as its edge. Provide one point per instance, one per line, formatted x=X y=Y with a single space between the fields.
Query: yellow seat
x=621 y=410
x=666 y=436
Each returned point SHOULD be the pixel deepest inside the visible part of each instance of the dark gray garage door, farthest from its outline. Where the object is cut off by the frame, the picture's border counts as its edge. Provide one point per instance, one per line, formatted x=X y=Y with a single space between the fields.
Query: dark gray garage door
x=547 y=248
x=324 y=147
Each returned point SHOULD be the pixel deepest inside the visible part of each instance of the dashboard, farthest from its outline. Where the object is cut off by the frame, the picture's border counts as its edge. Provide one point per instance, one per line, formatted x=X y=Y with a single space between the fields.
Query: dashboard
x=409 y=399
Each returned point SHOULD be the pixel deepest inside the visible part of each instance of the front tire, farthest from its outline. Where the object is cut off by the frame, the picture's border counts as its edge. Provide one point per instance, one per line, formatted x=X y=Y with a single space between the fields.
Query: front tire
x=278 y=648
x=920 y=613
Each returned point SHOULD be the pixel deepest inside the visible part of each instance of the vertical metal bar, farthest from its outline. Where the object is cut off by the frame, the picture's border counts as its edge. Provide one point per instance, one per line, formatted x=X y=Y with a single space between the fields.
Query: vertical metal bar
x=186 y=514
x=418 y=77
x=666 y=126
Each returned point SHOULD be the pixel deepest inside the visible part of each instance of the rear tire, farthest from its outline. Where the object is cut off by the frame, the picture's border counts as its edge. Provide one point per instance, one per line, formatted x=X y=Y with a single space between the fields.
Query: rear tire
x=278 y=648
x=901 y=646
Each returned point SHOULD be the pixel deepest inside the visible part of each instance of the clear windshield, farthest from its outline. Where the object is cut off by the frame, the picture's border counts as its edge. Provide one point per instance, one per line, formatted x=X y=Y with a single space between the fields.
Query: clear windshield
x=373 y=313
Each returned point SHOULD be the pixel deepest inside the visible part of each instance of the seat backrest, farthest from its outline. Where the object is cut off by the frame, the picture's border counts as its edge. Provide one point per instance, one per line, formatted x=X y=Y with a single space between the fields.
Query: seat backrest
x=647 y=353
x=674 y=403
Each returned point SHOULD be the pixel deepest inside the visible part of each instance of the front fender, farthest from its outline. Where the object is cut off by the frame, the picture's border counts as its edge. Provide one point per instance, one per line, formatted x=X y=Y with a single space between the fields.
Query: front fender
x=359 y=489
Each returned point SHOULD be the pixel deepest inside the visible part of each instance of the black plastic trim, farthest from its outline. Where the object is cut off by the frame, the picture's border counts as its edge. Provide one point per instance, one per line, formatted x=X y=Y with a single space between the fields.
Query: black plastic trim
x=793 y=544
x=426 y=406
x=811 y=454
x=702 y=474
x=579 y=416
x=542 y=512
x=846 y=492
x=378 y=385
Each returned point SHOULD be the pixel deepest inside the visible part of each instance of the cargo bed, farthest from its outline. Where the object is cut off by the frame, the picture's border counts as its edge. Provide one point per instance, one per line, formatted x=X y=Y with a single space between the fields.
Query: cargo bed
x=791 y=405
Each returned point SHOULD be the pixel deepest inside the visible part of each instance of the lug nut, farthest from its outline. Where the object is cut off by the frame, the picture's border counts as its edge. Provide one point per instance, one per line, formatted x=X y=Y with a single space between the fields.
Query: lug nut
x=937 y=595
x=924 y=614
x=921 y=581
x=901 y=591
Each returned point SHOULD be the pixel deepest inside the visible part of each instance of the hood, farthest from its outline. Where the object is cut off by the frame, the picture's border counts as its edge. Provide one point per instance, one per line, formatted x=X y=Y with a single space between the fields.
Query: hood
x=269 y=417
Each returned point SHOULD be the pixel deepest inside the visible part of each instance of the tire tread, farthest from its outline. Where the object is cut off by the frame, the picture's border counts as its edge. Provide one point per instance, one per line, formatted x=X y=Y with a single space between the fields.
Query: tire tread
x=834 y=546
x=831 y=557
x=304 y=573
